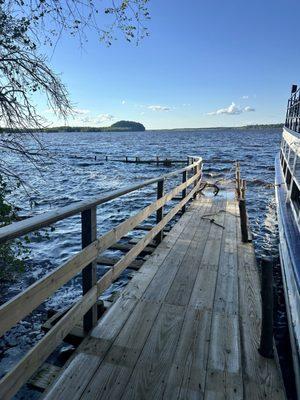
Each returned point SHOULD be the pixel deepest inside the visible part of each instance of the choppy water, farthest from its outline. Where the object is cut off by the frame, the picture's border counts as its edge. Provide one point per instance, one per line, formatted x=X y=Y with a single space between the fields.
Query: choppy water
x=74 y=174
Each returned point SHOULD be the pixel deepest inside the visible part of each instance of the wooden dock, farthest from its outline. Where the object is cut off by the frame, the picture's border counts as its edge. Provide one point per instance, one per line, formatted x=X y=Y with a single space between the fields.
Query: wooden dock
x=186 y=327
x=188 y=324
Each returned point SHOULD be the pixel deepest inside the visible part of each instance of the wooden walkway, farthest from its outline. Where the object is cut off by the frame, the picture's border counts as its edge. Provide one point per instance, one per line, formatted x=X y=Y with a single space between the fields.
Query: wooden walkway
x=186 y=327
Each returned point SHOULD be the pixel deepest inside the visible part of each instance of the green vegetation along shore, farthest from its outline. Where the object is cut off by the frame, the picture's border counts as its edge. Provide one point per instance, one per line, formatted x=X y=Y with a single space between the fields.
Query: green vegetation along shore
x=120 y=126
x=131 y=126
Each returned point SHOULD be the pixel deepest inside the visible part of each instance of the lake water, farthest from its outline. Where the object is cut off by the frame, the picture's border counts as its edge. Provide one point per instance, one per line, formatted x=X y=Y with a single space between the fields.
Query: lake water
x=73 y=174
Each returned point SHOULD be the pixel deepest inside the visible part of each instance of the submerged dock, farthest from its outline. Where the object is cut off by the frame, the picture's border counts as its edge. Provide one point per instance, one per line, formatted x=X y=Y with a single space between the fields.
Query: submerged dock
x=188 y=324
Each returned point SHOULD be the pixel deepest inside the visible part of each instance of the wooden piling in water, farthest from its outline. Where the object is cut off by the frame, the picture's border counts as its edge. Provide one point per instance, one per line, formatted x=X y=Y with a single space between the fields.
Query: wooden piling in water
x=266 y=339
x=243 y=212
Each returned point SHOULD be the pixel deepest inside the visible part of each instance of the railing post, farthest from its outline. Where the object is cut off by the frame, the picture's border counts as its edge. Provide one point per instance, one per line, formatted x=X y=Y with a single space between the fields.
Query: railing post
x=195 y=182
x=184 y=176
x=160 y=211
x=243 y=213
x=266 y=338
x=89 y=273
x=238 y=180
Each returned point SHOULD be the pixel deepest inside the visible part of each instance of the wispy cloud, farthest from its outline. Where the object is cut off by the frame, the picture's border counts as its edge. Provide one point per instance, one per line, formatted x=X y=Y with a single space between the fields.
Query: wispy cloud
x=245 y=97
x=81 y=111
x=233 y=109
x=159 y=108
x=123 y=101
x=104 y=118
x=249 y=109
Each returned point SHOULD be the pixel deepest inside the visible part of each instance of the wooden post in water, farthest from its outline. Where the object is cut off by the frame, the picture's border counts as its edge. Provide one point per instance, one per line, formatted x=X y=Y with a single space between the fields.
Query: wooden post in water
x=243 y=213
x=126 y=158
x=106 y=158
x=184 y=176
x=157 y=160
x=238 y=180
x=89 y=273
x=266 y=338
x=159 y=212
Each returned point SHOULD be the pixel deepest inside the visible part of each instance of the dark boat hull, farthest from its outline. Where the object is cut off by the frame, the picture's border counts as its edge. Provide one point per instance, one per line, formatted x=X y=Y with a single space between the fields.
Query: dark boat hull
x=289 y=248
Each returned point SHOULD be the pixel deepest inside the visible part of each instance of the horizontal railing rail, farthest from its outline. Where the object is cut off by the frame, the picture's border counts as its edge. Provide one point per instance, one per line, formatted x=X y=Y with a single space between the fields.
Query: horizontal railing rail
x=85 y=261
x=21 y=228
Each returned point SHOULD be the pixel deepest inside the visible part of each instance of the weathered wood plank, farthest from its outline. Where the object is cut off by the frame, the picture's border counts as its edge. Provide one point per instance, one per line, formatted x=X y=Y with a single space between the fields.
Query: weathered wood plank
x=224 y=370
x=181 y=289
x=44 y=376
x=156 y=358
x=111 y=261
x=114 y=372
x=111 y=324
x=124 y=247
x=177 y=330
x=188 y=371
x=12 y=381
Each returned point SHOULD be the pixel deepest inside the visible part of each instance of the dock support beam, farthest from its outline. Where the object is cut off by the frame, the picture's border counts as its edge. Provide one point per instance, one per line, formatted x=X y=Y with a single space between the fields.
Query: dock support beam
x=89 y=273
x=266 y=339
x=159 y=212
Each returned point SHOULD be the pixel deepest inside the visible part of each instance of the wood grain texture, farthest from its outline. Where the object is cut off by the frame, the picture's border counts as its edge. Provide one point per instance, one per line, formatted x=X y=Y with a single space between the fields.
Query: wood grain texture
x=186 y=326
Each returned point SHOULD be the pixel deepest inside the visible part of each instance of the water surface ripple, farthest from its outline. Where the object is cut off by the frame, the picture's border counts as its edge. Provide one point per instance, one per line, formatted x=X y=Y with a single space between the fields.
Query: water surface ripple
x=74 y=174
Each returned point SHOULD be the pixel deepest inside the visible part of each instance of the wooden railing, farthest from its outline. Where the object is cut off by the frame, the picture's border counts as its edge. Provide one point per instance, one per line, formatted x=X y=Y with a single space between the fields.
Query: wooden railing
x=85 y=261
x=292 y=120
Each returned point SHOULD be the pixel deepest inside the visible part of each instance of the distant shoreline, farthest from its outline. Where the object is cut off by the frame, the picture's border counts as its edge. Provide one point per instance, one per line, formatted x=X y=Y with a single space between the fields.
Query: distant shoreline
x=244 y=127
x=134 y=128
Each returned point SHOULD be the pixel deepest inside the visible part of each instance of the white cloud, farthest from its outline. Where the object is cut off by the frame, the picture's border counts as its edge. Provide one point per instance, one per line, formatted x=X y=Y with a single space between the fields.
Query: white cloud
x=245 y=97
x=123 y=102
x=249 y=109
x=81 y=111
x=233 y=109
x=159 y=108
x=104 y=118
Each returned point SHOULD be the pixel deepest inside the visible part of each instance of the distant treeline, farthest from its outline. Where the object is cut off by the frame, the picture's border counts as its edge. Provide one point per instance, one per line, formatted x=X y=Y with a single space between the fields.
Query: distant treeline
x=131 y=126
x=223 y=128
x=120 y=126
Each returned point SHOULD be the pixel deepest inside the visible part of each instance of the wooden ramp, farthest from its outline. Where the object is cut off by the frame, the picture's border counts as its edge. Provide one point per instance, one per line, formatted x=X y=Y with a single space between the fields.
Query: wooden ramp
x=186 y=327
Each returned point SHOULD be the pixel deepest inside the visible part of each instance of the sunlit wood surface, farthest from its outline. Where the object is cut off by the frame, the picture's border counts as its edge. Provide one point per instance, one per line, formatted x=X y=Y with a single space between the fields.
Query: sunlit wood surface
x=186 y=327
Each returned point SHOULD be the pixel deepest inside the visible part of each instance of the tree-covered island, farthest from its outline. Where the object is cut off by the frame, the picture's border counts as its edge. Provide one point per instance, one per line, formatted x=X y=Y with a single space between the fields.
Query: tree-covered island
x=120 y=126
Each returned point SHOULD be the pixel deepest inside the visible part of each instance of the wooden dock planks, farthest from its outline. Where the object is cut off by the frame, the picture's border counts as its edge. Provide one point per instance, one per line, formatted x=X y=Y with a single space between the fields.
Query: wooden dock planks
x=186 y=327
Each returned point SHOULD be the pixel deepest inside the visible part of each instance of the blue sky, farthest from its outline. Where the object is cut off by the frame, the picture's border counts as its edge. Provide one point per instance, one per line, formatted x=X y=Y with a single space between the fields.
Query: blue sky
x=216 y=63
